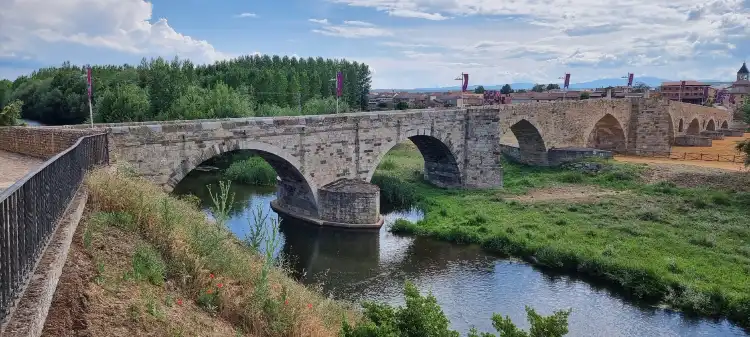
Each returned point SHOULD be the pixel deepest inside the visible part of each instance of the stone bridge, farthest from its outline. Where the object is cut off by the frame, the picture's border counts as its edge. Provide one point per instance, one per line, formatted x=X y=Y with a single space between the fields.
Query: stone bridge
x=461 y=147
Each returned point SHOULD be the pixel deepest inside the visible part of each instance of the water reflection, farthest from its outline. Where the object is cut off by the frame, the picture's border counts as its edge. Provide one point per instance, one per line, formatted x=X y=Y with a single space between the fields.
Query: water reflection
x=469 y=284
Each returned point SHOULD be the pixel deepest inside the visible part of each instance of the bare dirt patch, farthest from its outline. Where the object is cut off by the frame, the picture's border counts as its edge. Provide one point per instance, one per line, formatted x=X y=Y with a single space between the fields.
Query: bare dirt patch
x=575 y=193
x=692 y=176
x=95 y=297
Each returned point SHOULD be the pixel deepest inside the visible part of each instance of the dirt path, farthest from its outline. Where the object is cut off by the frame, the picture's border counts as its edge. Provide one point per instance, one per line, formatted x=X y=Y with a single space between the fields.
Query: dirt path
x=698 y=163
x=14 y=166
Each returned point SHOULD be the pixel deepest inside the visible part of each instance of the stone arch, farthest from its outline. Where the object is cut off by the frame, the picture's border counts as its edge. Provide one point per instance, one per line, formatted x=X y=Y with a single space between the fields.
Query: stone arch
x=440 y=165
x=294 y=188
x=607 y=134
x=681 y=126
x=711 y=126
x=694 y=128
x=531 y=146
x=724 y=125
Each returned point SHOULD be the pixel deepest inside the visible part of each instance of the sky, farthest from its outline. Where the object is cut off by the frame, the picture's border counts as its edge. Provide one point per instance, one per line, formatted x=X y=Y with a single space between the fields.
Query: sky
x=406 y=43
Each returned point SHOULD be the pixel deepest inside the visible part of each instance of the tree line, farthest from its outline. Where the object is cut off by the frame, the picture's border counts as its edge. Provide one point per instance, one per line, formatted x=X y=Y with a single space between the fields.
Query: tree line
x=507 y=89
x=157 y=89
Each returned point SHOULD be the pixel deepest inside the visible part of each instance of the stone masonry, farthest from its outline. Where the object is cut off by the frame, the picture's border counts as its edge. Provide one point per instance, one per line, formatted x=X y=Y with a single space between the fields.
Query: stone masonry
x=461 y=147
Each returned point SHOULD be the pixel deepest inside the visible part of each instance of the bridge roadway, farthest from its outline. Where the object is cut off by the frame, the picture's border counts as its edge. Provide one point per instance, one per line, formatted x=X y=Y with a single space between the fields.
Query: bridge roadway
x=461 y=147
x=14 y=166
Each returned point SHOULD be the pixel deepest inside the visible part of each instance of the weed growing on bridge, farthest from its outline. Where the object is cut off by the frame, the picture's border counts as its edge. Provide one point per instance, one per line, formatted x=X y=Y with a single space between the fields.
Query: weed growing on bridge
x=193 y=249
x=684 y=247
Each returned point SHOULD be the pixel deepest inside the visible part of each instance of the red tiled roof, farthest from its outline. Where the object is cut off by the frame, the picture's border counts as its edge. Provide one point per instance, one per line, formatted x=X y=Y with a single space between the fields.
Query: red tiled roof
x=664 y=84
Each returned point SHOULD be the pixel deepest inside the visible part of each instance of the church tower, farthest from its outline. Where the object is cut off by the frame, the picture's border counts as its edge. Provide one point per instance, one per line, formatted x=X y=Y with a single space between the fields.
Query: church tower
x=742 y=74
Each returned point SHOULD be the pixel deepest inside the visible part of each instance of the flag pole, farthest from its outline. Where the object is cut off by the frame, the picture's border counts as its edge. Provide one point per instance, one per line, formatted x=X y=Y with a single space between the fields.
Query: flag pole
x=89 y=88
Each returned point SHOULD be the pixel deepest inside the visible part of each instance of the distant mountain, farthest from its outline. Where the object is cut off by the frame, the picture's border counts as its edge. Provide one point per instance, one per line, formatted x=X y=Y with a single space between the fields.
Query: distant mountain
x=600 y=83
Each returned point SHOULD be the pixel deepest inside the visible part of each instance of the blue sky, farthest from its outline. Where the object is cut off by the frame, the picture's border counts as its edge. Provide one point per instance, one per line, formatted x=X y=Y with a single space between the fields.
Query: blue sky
x=407 y=43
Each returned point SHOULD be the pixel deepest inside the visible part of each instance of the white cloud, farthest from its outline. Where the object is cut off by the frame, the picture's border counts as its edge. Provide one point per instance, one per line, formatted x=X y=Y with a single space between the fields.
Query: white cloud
x=358 y=23
x=246 y=15
x=408 y=13
x=41 y=28
x=350 y=29
x=531 y=40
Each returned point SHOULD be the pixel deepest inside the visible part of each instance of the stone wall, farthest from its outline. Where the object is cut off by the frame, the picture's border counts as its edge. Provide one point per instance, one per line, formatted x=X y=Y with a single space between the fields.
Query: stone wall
x=715 y=135
x=691 y=140
x=651 y=127
x=561 y=156
x=686 y=112
x=38 y=142
x=349 y=201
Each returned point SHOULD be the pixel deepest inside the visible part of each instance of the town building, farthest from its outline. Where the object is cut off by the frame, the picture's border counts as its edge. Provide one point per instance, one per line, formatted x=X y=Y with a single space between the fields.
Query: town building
x=740 y=89
x=686 y=91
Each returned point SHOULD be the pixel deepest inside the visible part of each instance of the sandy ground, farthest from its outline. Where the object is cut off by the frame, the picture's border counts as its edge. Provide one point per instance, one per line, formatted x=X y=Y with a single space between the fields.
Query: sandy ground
x=719 y=147
x=14 y=166
x=698 y=163
x=575 y=193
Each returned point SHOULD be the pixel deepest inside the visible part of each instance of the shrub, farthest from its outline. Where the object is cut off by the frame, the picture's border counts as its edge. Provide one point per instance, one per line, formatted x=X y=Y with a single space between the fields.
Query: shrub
x=253 y=171
x=10 y=113
x=422 y=316
x=396 y=192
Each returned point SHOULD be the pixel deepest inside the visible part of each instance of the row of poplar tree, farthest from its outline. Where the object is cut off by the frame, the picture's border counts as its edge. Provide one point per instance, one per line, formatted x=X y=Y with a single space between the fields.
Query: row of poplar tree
x=157 y=89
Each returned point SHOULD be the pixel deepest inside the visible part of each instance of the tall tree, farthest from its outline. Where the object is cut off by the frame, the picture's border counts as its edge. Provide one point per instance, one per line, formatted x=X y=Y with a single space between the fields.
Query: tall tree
x=538 y=88
x=553 y=86
x=479 y=89
x=506 y=89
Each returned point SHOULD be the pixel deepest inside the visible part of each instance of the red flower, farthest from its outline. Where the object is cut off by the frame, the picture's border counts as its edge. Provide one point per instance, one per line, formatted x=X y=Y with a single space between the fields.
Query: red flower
x=309 y=306
x=220 y=285
x=286 y=302
x=211 y=276
x=179 y=302
x=209 y=291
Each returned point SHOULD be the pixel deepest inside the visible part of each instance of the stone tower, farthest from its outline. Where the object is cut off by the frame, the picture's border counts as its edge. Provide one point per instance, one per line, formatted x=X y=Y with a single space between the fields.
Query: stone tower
x=743 y=73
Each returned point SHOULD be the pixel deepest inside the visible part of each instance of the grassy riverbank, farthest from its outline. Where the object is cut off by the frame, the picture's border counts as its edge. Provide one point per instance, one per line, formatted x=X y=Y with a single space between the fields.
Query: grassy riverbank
x=160 y=268
x=686 y=247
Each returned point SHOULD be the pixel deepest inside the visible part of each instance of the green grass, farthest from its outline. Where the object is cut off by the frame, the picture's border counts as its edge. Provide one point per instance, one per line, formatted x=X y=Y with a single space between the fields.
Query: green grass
x=252 y=171
x=148 y=265
x=687 y=248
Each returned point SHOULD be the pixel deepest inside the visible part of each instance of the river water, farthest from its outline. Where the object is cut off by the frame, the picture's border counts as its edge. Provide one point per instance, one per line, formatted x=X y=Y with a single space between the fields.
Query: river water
x=469 y=284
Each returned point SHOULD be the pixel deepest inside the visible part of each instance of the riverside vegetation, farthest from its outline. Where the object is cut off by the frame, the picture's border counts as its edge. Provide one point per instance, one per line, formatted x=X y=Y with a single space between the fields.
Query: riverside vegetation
x=159 y=267
x=687 y=248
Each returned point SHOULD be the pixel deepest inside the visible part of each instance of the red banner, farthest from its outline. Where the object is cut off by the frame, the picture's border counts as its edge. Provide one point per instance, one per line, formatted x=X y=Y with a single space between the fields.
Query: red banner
x=339 y=84
x=630 y=79
x=567 y=81
x=88 y=80
x=466 y=82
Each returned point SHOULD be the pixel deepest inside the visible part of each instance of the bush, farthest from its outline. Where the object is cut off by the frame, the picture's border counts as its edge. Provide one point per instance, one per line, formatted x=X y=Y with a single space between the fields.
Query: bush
x=124 y=103
x=324 y=106
x=252 y=171
x=396 y=192
x=10 y=113
x=422 y=316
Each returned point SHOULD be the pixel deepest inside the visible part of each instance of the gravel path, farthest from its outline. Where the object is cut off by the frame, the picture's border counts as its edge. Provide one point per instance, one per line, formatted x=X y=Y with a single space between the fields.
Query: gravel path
x=14 y=166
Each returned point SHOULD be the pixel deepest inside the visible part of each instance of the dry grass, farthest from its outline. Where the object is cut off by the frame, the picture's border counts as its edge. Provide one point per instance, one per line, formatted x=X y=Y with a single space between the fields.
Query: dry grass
x=194 y=249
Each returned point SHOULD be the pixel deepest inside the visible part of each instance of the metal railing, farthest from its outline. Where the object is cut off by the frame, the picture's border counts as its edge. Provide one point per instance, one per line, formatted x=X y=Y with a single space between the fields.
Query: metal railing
x=739 y=158
x=31 y=208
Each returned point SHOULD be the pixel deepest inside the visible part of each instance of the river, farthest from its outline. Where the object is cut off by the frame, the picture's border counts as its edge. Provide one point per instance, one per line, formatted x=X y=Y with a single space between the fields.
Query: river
x=468 y=283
